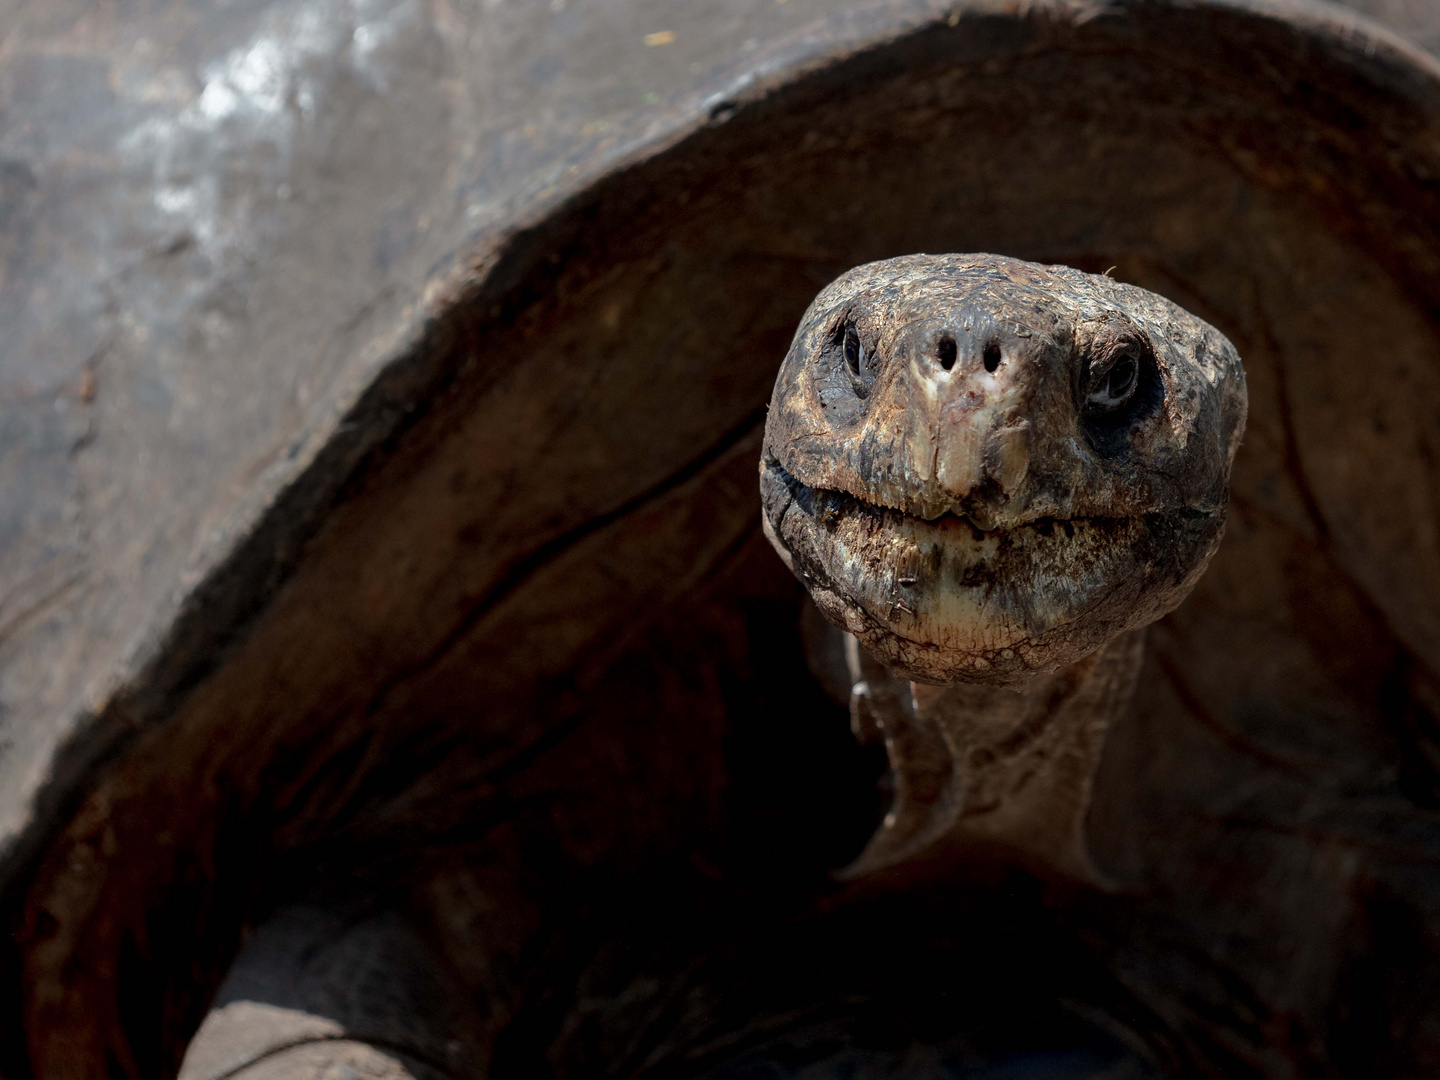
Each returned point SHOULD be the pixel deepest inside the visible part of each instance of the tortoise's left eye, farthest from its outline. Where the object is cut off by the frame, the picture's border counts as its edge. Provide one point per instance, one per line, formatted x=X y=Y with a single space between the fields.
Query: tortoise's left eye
x=1114 y=387
x=1120 y=384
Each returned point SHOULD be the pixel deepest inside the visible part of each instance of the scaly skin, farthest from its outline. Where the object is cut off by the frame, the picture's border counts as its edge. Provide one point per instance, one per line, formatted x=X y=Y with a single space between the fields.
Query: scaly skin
x=987 y=525
x=993 y=472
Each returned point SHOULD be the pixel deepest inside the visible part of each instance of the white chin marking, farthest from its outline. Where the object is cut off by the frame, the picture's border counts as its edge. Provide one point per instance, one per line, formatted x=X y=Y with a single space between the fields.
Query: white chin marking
x=993 y=596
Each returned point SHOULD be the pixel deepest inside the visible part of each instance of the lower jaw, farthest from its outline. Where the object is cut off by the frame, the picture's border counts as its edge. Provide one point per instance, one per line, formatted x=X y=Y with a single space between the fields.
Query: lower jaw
x=940 y=601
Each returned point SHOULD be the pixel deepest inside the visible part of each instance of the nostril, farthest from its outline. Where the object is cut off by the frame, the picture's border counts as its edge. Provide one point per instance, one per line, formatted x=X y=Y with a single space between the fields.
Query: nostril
x=947 y=353
x=992 y=356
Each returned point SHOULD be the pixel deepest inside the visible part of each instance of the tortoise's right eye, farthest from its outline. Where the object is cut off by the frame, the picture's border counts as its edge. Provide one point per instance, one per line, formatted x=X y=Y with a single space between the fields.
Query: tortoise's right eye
x=854 y=351
x=859 y=364
x=856 y=363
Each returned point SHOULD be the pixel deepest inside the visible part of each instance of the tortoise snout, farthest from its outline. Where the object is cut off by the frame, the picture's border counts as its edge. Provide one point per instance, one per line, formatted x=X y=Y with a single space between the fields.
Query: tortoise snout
x=979 y=382
x=961 y=347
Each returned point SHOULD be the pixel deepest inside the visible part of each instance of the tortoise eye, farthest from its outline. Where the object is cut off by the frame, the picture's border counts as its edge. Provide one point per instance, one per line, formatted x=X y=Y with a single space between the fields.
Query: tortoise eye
x=1115 y=387
x=854 y=351
x=857 y=364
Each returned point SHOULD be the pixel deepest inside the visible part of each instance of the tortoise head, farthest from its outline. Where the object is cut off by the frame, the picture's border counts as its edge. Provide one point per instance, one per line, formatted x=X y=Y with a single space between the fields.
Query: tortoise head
x=985 y=469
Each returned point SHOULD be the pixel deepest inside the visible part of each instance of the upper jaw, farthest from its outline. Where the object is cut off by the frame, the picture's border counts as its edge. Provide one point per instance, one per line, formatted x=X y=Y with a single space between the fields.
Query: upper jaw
x=977 y=513
x=987 y=508
x=1105 y=500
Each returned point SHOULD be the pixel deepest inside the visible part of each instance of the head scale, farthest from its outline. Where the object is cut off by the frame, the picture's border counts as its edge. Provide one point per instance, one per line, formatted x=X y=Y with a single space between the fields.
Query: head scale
x=985 y=468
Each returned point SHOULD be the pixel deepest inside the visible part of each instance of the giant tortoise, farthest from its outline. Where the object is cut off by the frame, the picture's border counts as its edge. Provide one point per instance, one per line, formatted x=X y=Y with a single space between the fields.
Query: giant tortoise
x=486 y=734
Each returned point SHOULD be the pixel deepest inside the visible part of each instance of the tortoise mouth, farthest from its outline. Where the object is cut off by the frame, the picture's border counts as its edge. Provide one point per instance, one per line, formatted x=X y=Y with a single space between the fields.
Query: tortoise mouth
x=941 y=600
x=827 y=506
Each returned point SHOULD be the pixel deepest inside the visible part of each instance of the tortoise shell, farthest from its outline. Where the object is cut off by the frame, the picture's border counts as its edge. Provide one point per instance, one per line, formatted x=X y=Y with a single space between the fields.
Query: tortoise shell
x=503 y=643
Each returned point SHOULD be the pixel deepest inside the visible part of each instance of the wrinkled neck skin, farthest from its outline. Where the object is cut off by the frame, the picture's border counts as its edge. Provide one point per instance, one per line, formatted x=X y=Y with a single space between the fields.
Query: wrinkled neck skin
x=984 y=768
x=991 y=476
